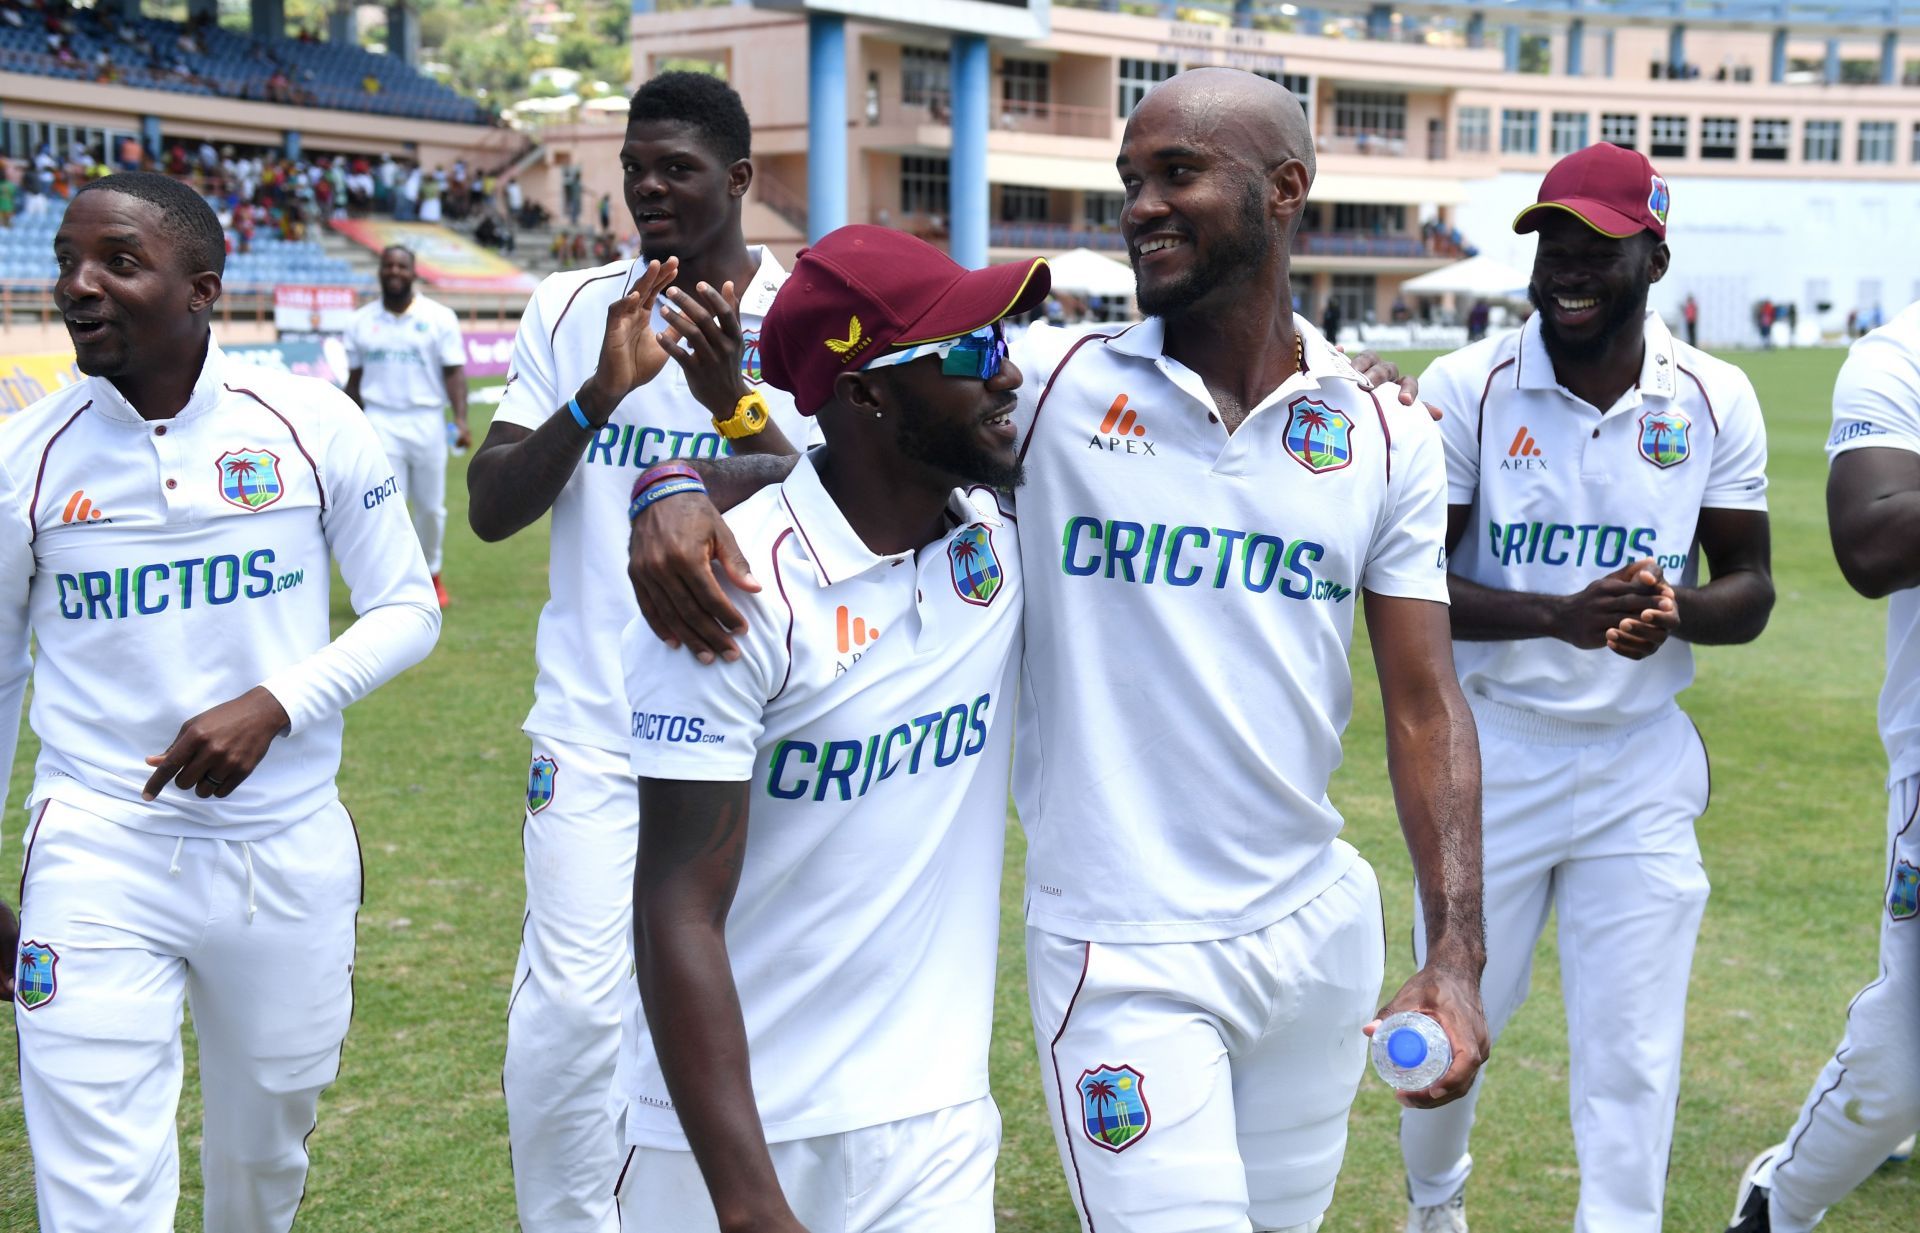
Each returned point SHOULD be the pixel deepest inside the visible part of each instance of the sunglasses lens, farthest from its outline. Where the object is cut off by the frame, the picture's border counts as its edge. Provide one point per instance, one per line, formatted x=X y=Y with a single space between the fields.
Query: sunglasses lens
x=978 y=356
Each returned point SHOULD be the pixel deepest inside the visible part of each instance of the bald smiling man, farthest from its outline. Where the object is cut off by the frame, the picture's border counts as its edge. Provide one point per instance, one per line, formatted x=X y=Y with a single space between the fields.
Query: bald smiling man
x=1209 y=494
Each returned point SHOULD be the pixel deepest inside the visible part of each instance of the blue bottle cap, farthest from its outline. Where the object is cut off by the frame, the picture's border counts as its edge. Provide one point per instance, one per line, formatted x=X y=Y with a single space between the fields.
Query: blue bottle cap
x=1407 y=1048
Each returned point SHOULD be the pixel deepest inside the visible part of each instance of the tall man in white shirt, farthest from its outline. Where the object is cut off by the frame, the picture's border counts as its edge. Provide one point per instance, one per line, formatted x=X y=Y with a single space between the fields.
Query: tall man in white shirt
x=591 y=404
x=406 y=364
x=166 y=530
x=1867 y=1097
x=1594 y=463
x=844 y=779
x=1216 y=487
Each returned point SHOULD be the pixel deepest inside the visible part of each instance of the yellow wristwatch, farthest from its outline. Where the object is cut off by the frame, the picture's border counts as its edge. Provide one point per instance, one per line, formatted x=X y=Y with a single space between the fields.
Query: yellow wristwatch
x=749 y=417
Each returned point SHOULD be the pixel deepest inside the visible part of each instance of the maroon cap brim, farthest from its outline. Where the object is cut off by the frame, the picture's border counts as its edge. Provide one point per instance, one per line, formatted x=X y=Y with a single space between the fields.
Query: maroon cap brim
x=978 y=298
x=1605 y=219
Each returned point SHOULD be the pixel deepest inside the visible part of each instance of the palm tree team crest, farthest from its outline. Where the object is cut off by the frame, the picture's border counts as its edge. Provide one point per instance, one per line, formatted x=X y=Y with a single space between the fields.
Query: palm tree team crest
x=1664 y=439
x=976 y=569
x=1319 y=437
x=1113 y=1106
x=250 y=479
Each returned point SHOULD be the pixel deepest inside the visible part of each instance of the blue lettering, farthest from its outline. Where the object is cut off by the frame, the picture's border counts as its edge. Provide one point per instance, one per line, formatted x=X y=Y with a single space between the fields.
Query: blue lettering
x=977 y=725
x=1199 y=535
x=231 y=583
x=159 y=574
x=1604 y=558
x=834 y=770
x=1228 y=540
x=1643 y=541
x=887 y=765
x=76 y=612
x=643 y=458
x=602 y=443
x=806 y=753
x=1123 y=545
x=1275 y=548
x=954 y=721
x=1074 y=528
x=926 y=724
x=1515 y=543
x=1546 y=548
x=1302 y=550
x=257 y=561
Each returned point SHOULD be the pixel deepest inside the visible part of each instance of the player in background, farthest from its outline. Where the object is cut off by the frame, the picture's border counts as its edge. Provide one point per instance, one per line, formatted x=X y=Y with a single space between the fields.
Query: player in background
x=405 y=364
x=591 y=404
x=1218 y=488
x=1867 y=1098
x=1586 y=457
x=841 y=1084
x=168 y=525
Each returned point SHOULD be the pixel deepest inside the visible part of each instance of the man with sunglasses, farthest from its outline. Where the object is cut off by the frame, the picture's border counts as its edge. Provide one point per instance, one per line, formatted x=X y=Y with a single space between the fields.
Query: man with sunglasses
x=816 y=899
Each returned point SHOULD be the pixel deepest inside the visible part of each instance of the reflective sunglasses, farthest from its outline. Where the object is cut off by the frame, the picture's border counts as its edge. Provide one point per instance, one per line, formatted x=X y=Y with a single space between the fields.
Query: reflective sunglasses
x=978 y=355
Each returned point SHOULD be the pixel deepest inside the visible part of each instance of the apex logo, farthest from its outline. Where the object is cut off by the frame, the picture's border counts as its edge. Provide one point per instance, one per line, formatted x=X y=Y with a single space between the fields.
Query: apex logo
x=1524 y=454
x=1121 y=431
x=80 y=509
x=852 y=636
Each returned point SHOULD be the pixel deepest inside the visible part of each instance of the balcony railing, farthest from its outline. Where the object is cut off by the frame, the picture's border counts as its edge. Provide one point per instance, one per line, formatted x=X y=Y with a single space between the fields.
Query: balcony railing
x=1005 y=115
x=1057 y=237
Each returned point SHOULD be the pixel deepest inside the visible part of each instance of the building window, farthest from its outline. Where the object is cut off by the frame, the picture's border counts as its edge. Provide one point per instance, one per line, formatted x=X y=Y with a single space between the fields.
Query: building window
x=924 y=75
x=1720 y=137
x=1569 y=132
x=1474 y=130
x=1914 y=153
x=1026 y=86
x=1370 y=113
x=1621 y=130
x=1669 y=134
x=1102 y=210
x=1821 y=141
x=1137 y=77
x=1298 y=84
x=1369 y=218
x=1519 y=132
x=1772 y=139
x=1876 y=141
x=1354 y=293
x=923 y=185
x=1022 y=204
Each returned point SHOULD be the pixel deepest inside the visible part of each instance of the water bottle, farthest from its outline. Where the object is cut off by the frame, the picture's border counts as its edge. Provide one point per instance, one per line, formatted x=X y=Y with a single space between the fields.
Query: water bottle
x=453 y=440
x=1410 y=1051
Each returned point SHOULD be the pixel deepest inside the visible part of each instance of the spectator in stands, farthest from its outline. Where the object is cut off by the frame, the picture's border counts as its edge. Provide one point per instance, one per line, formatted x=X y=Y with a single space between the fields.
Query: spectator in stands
x=1477 y=320
x=243 y=224
x=176 y=160
x=208 y=159
x=516 y=201
x=606 y=211
x=407 y=207
x=1690 y=314
x=7 y=190
x=132 y=154
x=385 y=177
x=1330 y=320
x=570 y=193
x=431 y=188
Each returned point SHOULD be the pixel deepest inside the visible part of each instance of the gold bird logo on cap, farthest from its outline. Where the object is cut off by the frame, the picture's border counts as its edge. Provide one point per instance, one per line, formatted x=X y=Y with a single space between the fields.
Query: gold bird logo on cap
x=841 y=346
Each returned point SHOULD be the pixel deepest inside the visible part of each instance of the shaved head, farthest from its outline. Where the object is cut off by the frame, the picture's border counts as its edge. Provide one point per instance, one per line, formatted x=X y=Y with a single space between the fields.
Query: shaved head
x=1247 y=115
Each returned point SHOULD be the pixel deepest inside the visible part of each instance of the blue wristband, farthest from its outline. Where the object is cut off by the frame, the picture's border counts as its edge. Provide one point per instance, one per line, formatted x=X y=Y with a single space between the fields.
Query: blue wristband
x=579 y=416
x=660 y=491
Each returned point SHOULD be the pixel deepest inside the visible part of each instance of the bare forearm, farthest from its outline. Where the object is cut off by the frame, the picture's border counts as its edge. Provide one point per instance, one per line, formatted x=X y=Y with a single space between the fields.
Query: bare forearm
x=693 y=1014
x=457 y=396
x=732 y=480
x=1434 y=760
x=511 y=485
x=1483 y=614
x=1730 y=609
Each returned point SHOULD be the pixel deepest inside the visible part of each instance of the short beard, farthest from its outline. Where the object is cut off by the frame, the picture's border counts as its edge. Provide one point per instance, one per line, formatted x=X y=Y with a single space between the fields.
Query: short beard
x=1626 y=314
x=1233 y=258
x=951 y=450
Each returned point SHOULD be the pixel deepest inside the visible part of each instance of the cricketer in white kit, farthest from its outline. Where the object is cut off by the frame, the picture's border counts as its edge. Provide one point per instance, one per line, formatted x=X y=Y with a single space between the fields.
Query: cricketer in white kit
x=1867 y=1097
x=1593 y=460
x=166 y=531
x=406 y=365
x=583 y=416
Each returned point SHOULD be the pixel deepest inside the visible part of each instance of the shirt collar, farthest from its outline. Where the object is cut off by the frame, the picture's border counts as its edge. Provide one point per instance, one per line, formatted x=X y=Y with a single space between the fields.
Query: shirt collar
x=206 y=390
x=755 y=299
x=1657 y=366
x=1148 y=340
x=835 y=548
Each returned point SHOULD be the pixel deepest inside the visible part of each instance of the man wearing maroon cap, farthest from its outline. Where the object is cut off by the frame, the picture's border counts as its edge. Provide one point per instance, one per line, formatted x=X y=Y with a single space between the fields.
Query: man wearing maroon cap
x=1593 y=461
x=816 y=899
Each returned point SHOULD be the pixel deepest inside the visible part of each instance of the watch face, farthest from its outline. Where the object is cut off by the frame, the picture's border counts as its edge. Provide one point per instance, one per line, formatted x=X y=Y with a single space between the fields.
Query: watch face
x=756 y=416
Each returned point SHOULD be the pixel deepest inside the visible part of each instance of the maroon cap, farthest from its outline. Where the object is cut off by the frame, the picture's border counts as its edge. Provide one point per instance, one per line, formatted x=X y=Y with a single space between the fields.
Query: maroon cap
x=863 y=290
x=1612 y=190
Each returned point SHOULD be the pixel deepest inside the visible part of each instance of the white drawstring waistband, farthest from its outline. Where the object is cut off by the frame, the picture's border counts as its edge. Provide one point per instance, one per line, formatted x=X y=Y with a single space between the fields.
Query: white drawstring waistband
x=173 y=870
x=246 y=858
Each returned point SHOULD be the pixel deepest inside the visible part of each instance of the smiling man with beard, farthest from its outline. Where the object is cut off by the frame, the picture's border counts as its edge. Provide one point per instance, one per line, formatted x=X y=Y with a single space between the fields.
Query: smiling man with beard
x=1593 y=463
x=816 y=903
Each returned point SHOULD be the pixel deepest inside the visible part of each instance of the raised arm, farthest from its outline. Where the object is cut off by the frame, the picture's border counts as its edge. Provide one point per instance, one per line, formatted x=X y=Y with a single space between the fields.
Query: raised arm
x=693 y=841
x=1433 y=758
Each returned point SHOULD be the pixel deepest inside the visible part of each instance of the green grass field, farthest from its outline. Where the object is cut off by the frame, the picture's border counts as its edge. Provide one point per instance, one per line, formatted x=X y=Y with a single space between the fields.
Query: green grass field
x=413 y=1136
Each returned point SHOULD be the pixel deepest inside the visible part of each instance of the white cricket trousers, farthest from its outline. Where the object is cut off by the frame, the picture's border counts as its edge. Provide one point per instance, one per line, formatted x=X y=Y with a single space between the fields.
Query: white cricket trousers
x=1594 y=823
x=1867 y=1098
x=1238 y=1059
x=258 y=938
x=416 y=444
x=927 y=1174
x=572 y=987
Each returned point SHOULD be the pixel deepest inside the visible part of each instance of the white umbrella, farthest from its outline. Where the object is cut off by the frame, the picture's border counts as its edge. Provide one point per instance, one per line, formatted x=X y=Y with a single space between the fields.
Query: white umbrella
x=1476 y=276
x=1081 y=271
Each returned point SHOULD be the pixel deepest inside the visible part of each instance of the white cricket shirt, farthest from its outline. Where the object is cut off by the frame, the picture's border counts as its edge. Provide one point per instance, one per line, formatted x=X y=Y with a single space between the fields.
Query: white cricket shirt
x=871 y=711
x=577 y=695
x=168 y=566
x=1876 y=405
x=1190 y=610
x=1563 y=493
x=401 y=357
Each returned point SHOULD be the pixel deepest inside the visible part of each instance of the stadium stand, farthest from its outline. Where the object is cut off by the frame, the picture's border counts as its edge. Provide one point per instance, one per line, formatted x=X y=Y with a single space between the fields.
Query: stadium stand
x=56 y=40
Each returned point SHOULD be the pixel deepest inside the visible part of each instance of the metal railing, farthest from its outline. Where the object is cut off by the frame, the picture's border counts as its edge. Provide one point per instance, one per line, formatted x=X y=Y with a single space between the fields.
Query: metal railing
x=1005 y=115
